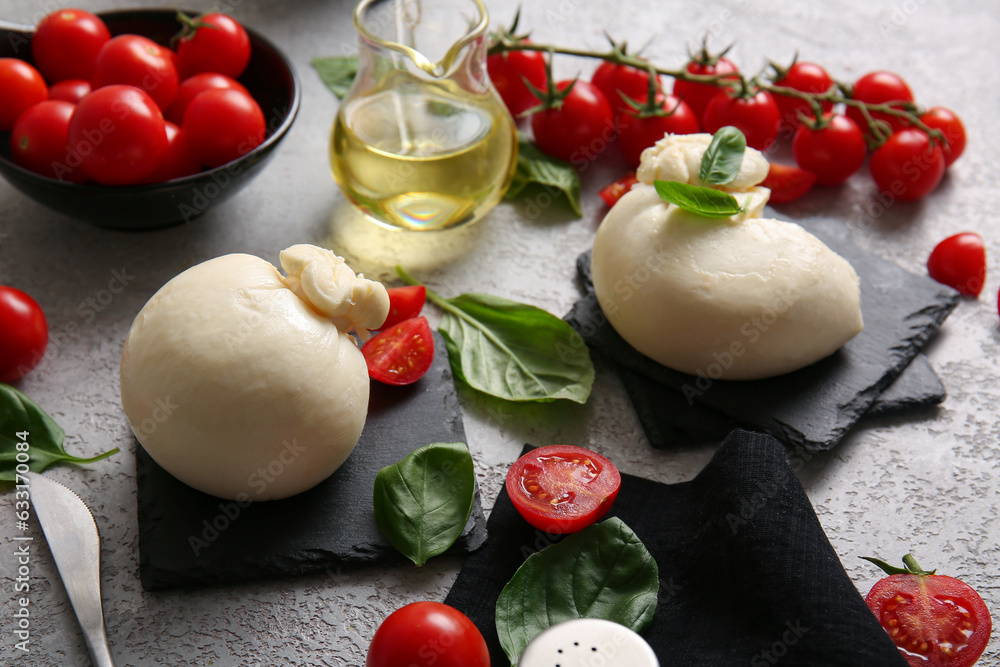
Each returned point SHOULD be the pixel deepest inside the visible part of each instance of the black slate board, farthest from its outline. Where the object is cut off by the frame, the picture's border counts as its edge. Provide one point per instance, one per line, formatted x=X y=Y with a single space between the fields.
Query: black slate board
x=813 y=407
x=328 y=526
x=742 y=560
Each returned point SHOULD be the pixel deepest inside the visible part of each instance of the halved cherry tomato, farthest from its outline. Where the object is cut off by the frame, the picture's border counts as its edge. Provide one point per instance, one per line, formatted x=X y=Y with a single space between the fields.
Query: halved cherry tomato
x=934 y=620
x=561 y=488
x=402 y=354
x=960 y=262
x=787 y=183
x=404 y=303
x=612 y=192
x=428 y=633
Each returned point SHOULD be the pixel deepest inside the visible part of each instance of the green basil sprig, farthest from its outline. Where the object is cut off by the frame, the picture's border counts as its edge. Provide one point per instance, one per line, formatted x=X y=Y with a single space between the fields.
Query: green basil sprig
x=698 y=199
x=337 y=72
x=423 y=502
x=20 y=416
x=604 y=571
x=722 y=159
x=512 y=350
x=535 y=167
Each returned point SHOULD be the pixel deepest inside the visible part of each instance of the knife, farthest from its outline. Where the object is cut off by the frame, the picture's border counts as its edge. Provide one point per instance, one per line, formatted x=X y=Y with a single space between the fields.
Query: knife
x=71 y=532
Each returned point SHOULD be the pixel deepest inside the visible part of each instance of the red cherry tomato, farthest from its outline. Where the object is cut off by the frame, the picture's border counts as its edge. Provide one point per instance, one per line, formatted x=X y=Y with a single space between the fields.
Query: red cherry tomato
x=428 y=633
x=217 y=43
x=787 y=183
x=580 y=129
x=908 y=166
x=178 y=160
x=22 y=86
x=404 y=303
x=833 y=152
x=508 y=72
x=807 y=77
x=960 y=262
x=193 y=86
x=561 y=488
x=24 y=334
x=934 y=620
x=117 y=134
x=401 y=354
x=756 y=116
x=879 y=88
x=40 y=141
x=70 y=90
x=698 y=95
x=223 y=125
x=951 y=127
x=612 y=192
x=66 y=43
x=137 y=61
x=636 y=134
x=618 y=80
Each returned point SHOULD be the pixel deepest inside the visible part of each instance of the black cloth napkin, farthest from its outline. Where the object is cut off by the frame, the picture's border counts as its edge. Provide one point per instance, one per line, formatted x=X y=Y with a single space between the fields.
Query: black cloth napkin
x=747 y=575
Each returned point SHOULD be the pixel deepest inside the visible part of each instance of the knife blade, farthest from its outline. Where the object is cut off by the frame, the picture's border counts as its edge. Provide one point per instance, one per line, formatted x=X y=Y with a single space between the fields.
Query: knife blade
x=72 y=536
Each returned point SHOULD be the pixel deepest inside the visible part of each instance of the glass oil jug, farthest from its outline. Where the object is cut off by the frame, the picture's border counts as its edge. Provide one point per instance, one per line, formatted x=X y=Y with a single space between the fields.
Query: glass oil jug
x=422 y=141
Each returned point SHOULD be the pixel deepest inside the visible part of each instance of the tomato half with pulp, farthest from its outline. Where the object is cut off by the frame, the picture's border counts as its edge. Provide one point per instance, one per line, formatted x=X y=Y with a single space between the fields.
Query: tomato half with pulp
x=960 y=262
x=404 y=303
x=24 y=334
x=425 y=633
x=561 y=488
x=787 y=183
x=612 y=192
x=402 y=354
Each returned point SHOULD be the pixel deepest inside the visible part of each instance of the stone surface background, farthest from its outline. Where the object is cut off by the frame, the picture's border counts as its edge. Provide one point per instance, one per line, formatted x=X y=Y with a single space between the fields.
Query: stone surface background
x=924 y=483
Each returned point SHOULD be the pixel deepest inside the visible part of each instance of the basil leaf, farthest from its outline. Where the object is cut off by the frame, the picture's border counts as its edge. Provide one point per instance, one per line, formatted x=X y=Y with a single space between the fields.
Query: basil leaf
x=723 y=157
x=423 y=502
x=337 y=72
x=604 y=571
x=535 y=167
x=20 y=416
x=708 y=202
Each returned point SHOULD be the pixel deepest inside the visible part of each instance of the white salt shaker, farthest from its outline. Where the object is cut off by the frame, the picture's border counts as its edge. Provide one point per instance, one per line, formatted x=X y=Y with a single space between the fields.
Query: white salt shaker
x=588 y=642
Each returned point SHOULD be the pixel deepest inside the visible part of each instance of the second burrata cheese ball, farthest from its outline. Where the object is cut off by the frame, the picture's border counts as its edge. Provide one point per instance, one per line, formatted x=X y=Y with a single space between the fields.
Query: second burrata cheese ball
x=244 y=383
x=735 y=298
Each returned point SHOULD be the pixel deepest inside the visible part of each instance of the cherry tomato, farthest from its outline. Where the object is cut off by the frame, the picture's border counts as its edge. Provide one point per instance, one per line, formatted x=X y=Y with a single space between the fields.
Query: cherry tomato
x=612 y=192
x=934 y=620
x=24 y=334
x=428 y=633
x=137 y=61
x=960 y=262
x=807 y=77
x=178 y=161
x=617 y=80
x=951 y=127
x=636 y=133
x=756 y=116
x=22 y=86
x=580 y=129
x=698 y=95
x=787 y=183
x=70 y=90
x=561 y=488
x=833 y=152
x=879 y=88
x=401 y=354
x=908 y=165
x=223 y=125
x=509 y=70
x=66 y=43
x=213 y=43
x=40 y=141
x=117 y=134
x=192 y=86
x=404 y=303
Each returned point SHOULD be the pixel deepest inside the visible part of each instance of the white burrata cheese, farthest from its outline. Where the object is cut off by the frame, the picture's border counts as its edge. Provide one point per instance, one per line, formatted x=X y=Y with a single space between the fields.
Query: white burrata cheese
x=736 y=298
x=244 y=383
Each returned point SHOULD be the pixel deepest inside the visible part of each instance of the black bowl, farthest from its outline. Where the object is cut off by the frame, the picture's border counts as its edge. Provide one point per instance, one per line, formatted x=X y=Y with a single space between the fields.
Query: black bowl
x=269 y=78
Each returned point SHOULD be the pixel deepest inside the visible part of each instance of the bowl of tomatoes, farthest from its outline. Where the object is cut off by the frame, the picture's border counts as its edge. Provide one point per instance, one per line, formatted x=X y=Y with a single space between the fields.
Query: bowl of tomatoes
x=157 y=129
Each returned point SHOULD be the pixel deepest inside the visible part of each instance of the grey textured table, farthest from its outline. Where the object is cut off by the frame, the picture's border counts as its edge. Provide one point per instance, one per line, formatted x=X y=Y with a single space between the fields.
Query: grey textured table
x=925 y=483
